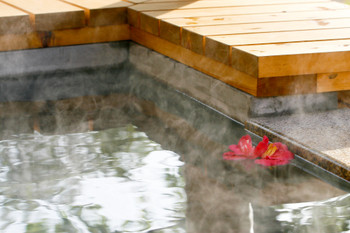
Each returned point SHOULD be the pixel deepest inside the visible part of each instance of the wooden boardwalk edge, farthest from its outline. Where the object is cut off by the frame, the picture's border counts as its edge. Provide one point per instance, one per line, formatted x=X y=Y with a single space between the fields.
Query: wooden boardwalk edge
x=251 y=56
x=206 y=65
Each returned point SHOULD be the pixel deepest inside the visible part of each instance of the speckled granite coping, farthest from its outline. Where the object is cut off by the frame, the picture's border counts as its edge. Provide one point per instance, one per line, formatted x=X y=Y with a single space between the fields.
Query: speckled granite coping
x=321 y=138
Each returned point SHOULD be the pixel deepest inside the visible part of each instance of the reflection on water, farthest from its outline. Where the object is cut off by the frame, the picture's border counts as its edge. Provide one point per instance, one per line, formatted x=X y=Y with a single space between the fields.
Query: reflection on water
x=331 y=215
x=115 y=180
x=111 y=164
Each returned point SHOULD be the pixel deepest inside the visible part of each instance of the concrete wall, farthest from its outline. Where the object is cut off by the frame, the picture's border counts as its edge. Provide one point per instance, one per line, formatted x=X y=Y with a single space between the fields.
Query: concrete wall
x=226 y=99
x=70 y=71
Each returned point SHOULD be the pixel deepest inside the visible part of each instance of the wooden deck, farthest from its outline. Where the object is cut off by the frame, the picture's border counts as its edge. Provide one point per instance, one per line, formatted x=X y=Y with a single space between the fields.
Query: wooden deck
x=265 y=48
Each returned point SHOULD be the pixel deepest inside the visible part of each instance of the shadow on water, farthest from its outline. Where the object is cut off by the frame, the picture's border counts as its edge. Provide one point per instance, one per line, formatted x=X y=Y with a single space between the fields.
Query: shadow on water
x=141 y=157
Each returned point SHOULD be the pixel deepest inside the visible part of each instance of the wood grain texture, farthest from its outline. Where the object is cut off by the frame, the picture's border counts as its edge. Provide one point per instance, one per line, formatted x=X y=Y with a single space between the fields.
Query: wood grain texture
x=133 y=18
x=193 y=41
x=101 y=13
x=319 y=15
x=149 y=24
x=297 y=48
x=215 y=69
x=244 y=10
x=337 y=81
x=210 y=4
x=314 y=63
x=292 y=58
x=13 y=20
x=247 y=28
x=170 y=32
x=245 y=62
x=289 y=85
x=283 y=37
x=20 y=41
x=50 y=14
x=95 y=4
x=217 y=50
x=89 y=35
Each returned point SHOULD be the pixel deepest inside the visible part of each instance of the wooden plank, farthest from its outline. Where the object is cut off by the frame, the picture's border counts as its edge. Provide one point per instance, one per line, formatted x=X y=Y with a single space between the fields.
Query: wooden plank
x=137 y=1
x=19 y=41
x=289 y=85
x=218 y=51
x=338 y=81
x=214 y=3
x=170 y=32
x=270 y=27
x=192 y=41
x=282 y=37
x=292 y=58
x=149 y=24
x=101 y=13
x=244 y=10
x=95 y=4
x=88 y=35
x=297 y=48
x=244 y=61
x=215 y=69
x=196 y=35
x=304 y=64
x=259 y=18
x=13 y=20
x=133 y=18
x=158 y=1
x=50 y=14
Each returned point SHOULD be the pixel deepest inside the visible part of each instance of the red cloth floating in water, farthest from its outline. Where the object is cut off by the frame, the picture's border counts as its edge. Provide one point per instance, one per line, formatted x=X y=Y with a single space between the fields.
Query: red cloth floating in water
x=270 y=154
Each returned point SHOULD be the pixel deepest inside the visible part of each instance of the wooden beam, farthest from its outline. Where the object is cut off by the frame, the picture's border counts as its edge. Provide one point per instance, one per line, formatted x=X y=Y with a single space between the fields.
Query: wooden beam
x=338 y=81
x=10 y=42
x=208 y=66
x=88 y=35
x=289 y=85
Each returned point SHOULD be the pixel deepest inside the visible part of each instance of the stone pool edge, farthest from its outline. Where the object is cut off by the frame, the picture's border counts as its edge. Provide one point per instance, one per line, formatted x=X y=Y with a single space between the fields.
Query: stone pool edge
x=315 y=157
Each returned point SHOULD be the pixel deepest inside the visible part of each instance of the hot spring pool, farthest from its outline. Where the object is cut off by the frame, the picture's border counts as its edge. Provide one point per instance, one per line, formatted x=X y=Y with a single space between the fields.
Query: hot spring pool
x=107 y=150
x=122 y=163
x=113 y=180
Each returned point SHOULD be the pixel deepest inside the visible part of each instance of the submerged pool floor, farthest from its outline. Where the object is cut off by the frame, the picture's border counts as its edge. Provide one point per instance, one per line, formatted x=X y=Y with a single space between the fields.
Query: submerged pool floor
x=269 y=52
x=124 y=163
